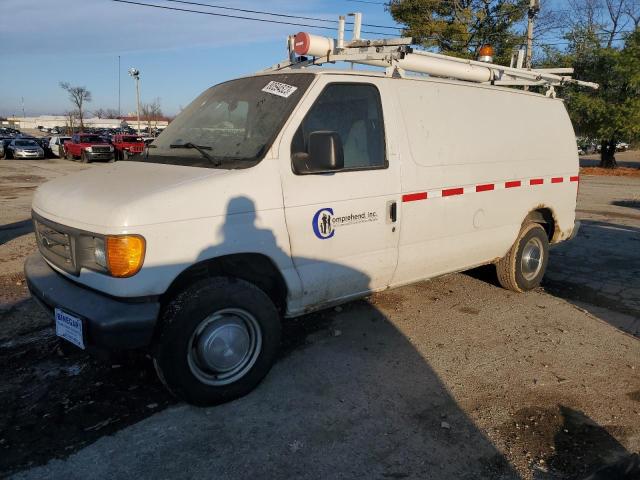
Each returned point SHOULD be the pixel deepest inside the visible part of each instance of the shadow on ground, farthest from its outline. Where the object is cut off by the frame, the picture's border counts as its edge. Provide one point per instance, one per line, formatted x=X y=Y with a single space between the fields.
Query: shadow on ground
x=599 y=271
x=14 y=230
x=627 y=203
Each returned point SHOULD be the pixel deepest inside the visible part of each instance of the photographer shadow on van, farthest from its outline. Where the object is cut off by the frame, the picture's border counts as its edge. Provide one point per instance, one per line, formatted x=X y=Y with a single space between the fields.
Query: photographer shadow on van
x=353 y=394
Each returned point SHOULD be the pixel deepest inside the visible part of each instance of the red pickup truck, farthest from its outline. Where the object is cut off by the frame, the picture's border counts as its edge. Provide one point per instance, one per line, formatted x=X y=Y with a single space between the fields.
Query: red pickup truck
x=127 y=145
x=88 y=147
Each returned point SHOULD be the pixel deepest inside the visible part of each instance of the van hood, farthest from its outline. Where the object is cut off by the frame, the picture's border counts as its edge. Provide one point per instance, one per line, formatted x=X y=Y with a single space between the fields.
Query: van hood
x=129 y=194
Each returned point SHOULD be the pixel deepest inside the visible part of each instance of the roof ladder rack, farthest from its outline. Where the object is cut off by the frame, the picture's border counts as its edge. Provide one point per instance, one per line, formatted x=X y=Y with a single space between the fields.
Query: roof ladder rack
x=397 y=56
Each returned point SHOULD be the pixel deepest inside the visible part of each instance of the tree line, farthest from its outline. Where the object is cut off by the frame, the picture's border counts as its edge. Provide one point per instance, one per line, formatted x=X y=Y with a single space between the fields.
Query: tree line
x=600 y=39
x=79 y=96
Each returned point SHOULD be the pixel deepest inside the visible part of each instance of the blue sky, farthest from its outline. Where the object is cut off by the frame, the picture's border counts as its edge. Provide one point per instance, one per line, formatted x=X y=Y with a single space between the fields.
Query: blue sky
x=178 y=54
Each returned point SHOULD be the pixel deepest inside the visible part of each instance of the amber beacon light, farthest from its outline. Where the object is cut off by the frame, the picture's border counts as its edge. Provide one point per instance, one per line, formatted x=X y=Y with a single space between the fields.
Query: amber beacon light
x=485 y=54
x=125 y=254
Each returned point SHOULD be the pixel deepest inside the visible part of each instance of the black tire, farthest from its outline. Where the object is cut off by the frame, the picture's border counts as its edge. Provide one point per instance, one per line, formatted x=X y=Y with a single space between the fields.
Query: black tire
x=84 y=158
x=203 y=308
x=518 y=274
x=68 y=156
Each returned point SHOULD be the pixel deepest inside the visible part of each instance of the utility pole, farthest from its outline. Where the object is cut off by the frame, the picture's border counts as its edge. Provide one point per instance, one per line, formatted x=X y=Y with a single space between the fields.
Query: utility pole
x=534 y=8
x=118 y=86
x=22 y=101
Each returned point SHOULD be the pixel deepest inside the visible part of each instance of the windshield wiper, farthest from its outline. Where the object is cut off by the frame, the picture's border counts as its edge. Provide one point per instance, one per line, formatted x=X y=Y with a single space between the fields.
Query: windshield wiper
x=199 y=148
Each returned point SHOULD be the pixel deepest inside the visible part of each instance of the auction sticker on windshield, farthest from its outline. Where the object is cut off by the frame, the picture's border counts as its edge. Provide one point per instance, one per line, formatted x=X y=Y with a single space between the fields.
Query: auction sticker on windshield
x=280 y=89
x=69 y=328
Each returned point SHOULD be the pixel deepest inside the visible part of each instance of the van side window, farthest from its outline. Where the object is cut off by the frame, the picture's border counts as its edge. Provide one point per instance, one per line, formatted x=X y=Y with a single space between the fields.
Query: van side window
x=353 y=111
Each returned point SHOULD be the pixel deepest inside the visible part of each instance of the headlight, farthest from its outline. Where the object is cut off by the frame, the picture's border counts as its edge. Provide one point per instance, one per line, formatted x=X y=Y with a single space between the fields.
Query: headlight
x=99 y=254
x=111 y=148
x=88 y=149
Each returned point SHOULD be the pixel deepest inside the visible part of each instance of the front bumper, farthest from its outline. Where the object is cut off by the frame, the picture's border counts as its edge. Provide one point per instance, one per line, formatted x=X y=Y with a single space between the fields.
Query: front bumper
x=109 y=322
x=35 y=155
x=99 y=156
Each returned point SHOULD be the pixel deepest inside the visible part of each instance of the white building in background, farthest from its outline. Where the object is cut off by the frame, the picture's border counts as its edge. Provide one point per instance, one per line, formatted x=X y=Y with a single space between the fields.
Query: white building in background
x=50 y=121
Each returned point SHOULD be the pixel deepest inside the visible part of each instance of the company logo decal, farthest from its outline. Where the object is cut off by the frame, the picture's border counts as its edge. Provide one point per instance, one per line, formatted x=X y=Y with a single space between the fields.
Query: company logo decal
x=325 y=222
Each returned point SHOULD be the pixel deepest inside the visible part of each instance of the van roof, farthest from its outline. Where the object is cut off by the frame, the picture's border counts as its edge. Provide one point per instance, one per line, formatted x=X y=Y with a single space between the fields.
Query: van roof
x=408 y=77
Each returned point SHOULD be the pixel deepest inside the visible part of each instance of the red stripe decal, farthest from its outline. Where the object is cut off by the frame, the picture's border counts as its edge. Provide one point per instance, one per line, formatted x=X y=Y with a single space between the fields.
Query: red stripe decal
x=452 y=191
x=412 y=197
x=515 y=183
x=557 y=180
x=536 y=181
x=485 y=188
x=574 y=179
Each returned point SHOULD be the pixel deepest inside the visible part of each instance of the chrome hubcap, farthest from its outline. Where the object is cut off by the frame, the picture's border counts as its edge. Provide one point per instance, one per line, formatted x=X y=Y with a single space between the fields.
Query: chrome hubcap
x=225 y=346
x=531 y=261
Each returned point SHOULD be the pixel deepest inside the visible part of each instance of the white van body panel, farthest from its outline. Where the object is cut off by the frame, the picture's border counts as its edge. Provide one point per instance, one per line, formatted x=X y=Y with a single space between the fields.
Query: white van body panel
x=186 y=215
x=458 y=137
x=443 y=140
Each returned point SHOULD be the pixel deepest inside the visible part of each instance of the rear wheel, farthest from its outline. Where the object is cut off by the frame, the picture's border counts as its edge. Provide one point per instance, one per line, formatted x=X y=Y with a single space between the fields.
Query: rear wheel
x=219 y=339
x=523 y=267
x=68 y=155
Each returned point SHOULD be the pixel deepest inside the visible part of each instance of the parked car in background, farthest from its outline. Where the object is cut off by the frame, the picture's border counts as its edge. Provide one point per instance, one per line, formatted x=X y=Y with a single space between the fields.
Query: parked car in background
x=88 y=147
x=56 y=145
x=25 y=148
x=1 y=149
x=622 y=147
x=126 y=146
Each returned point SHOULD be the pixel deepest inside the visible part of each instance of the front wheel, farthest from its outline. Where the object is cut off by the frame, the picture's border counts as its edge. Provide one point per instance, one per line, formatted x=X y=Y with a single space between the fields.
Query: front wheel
x=219 y=339
x=84 y=158
x=523 y=267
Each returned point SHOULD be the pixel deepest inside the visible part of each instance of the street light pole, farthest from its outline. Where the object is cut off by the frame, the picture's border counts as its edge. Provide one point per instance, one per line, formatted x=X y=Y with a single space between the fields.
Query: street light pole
x=135 y=73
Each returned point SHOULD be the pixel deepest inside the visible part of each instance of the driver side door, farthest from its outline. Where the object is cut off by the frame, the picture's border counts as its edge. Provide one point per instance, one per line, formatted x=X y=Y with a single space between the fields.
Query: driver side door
x=342 y=224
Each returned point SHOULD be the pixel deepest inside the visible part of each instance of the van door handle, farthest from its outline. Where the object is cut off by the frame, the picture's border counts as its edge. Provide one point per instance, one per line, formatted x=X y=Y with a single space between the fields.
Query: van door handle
x=392 y=210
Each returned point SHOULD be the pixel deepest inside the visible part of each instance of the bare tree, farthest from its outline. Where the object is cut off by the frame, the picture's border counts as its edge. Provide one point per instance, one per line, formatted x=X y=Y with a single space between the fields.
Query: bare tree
x=78 y=96
x=615 y=9
x=632 y=10
x=106 y=113
x=151 y=112
x=70 y=120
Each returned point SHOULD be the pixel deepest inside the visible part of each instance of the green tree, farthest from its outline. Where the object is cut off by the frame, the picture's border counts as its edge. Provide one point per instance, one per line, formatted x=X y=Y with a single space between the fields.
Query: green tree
x=612 y=112
x=461 y=27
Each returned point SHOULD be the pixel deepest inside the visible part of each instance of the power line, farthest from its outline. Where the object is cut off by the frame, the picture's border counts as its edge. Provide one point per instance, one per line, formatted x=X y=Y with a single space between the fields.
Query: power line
x=283 y=15
x=239 y=17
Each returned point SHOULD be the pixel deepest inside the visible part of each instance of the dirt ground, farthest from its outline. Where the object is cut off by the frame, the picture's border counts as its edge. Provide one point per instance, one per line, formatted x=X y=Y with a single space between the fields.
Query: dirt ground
x=450 y=378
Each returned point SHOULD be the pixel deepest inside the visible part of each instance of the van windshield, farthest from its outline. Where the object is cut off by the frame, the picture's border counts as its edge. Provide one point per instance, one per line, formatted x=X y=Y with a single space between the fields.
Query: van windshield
x=231 y=125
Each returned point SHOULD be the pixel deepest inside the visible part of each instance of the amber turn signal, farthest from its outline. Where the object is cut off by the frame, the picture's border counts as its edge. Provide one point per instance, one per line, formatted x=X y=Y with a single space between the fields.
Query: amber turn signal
x=125 y=254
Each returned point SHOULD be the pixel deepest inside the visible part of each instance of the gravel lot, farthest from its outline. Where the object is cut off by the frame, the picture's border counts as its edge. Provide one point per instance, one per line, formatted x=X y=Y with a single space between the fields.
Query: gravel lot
x=451 y=378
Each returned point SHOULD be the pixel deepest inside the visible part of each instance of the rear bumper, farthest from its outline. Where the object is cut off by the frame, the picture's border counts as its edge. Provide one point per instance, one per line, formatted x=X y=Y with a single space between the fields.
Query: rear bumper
x=110 y=323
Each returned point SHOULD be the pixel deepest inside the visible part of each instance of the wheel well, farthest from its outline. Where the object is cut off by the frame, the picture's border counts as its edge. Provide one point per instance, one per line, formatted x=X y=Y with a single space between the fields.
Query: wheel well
x=543 y=216
x=252 y=267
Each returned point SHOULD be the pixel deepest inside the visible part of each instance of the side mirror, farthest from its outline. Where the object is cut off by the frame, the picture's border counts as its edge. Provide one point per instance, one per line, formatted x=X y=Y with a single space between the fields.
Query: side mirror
x=325 y=154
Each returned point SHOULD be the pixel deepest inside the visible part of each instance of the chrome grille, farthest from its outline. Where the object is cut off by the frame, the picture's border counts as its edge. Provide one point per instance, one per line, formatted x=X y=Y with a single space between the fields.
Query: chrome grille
x=100 y=149
x=55 y=245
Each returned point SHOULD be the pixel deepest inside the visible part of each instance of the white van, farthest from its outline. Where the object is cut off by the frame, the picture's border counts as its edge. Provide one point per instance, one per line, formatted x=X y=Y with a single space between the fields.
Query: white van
x=282 y=193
